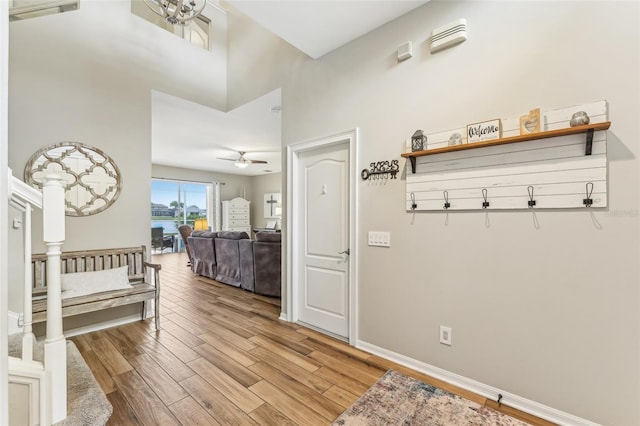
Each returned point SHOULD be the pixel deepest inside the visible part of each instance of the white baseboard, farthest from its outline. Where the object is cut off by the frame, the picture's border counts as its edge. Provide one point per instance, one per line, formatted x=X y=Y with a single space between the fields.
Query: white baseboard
x=515 y=401
x=283 y=317
x=14 y=320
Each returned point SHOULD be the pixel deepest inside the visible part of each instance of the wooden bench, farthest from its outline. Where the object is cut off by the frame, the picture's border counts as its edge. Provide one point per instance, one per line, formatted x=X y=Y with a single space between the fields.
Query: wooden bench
x=96 y=260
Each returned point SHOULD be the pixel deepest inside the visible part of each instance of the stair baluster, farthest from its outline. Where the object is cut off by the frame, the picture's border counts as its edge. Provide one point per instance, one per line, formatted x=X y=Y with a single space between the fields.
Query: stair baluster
x=28 y=338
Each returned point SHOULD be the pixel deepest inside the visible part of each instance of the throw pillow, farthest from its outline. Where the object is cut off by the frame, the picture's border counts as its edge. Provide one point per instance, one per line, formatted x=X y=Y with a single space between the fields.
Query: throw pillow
x=84 y=283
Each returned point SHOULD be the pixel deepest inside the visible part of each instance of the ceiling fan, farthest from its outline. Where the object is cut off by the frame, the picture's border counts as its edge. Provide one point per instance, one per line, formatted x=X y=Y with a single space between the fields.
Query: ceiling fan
x=242 y=162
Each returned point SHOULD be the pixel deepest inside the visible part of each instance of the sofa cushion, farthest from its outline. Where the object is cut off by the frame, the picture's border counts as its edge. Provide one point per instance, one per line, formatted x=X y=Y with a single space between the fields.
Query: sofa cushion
x=246 y=265
x=233 y=235
x=204 y=234
x=203 y=257
x=269 y=237
x=267 y=268
x=228 y=260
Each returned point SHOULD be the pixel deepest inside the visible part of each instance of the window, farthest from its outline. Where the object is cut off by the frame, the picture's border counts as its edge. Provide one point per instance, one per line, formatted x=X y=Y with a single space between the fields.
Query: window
x=196 y=32
x=21 y=9
x=176 y=203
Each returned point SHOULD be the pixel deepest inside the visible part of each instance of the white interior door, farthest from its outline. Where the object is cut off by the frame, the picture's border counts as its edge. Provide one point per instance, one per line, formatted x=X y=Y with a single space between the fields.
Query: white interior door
x=323 y=211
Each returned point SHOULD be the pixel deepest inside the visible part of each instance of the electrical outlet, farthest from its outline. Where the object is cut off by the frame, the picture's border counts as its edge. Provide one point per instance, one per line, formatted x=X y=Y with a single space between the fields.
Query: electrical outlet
x=445 y=335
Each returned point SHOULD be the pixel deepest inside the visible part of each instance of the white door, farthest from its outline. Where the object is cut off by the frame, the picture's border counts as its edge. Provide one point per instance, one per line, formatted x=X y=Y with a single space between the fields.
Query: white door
x=323 y=211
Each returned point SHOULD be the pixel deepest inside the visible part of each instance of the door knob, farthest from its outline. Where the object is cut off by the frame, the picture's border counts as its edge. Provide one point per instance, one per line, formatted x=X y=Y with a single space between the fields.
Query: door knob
x=347 y=252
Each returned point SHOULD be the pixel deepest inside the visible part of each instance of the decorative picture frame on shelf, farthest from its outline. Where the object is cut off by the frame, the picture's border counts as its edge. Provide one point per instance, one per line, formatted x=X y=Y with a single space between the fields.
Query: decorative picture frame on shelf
x=484 y=131
x=530 y=123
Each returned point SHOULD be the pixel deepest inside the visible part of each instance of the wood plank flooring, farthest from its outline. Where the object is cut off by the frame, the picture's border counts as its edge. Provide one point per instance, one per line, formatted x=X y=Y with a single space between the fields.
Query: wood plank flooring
x=222 y=357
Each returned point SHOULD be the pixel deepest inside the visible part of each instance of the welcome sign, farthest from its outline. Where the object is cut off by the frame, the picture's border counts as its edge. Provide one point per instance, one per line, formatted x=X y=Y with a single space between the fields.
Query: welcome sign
x=484 y=131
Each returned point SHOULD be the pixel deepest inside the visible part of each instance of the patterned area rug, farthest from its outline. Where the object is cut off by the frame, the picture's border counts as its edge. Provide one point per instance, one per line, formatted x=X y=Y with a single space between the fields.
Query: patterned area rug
x=86 y=403
x=397 y=399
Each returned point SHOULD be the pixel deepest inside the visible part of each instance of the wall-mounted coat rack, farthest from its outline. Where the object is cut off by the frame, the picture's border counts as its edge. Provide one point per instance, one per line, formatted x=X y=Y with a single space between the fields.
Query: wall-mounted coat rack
x=556 y=164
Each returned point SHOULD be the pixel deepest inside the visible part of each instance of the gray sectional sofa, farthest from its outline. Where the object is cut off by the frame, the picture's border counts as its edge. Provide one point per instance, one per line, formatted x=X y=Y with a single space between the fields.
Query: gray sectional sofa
x=232 y=258
x=260 y=263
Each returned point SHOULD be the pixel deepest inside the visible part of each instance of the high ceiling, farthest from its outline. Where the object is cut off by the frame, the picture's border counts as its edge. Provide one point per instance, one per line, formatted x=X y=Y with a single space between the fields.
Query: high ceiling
x=193 y=133
x=189 y=135
x=205 y=134
x=317 y=27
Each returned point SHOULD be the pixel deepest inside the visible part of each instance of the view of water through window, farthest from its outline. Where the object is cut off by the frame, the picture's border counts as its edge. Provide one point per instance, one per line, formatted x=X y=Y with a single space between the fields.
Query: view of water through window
x=176 y=203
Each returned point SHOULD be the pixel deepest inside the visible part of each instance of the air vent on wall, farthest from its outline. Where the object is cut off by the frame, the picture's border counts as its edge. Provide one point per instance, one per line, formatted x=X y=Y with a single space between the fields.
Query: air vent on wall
x=448 y=35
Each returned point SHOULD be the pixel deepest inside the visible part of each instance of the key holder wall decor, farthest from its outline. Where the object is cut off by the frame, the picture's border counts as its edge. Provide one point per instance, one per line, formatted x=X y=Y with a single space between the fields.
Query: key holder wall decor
x=381 y=170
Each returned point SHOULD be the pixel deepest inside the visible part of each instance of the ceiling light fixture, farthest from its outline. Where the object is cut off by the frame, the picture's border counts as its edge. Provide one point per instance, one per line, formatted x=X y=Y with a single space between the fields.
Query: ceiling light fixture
x=177 y=11
x=241 y=163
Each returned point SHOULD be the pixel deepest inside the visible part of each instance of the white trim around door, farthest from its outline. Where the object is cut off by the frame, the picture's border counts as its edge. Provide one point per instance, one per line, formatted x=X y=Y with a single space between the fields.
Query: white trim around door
x=4 y=211
x=293 y=151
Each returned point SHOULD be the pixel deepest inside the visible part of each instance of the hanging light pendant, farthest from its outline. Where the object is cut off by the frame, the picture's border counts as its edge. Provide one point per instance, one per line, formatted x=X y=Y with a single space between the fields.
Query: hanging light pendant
x=177 y=11
x=242 y=163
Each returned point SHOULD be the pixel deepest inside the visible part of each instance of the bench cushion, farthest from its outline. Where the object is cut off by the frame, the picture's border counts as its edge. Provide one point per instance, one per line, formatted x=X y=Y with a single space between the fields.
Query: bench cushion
x=83 y=283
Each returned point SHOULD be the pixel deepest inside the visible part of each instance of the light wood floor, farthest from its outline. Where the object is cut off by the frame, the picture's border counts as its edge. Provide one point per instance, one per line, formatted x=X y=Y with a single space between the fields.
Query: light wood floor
x=223 y=357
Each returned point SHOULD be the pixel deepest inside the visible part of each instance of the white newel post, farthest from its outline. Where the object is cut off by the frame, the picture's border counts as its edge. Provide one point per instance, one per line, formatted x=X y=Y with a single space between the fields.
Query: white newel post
x=55 y=350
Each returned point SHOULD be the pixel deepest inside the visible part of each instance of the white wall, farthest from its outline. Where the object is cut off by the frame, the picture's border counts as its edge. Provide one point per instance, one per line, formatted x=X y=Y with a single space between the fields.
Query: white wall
x=259 y=61
x=261 y=185
x=549 y=313
x=65 y=97
x=60 y=93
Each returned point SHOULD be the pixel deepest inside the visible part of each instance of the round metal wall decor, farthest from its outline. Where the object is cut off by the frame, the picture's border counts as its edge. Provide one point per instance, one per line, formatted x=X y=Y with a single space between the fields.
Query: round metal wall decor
x=92 y=178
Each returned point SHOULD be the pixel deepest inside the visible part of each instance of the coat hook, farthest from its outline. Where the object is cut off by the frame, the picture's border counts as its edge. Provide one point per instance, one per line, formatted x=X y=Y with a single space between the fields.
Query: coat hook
x=413 y=201
x=589 y=190
x=446 y=200
x=485 y=203
x=531 y=202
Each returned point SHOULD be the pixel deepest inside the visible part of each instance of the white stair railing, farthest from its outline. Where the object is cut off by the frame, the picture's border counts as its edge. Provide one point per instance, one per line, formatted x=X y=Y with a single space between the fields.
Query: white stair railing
x=24 y=198
x=52 y=375
x=25 y=371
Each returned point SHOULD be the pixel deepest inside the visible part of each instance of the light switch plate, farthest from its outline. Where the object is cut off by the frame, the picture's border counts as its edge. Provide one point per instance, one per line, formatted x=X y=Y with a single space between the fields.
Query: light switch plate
x=379 y=239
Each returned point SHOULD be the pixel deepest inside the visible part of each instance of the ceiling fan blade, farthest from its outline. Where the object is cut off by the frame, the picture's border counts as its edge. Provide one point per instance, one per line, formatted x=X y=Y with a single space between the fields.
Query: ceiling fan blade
x=228 y=159
x=257 y=161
